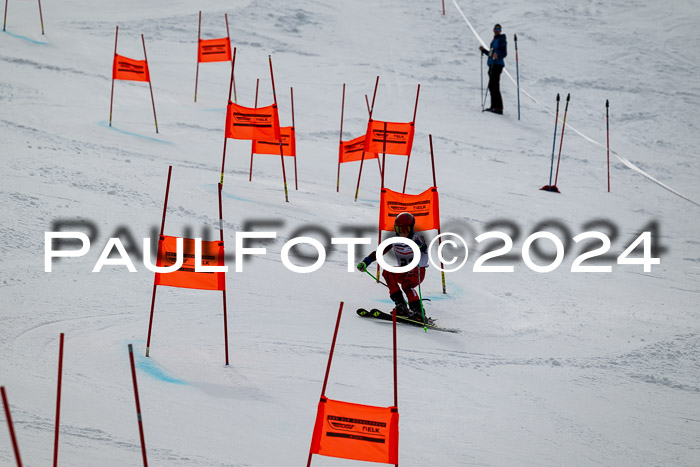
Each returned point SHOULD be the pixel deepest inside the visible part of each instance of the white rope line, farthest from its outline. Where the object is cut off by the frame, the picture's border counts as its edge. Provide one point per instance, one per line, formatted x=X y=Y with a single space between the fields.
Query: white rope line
x=587 y=138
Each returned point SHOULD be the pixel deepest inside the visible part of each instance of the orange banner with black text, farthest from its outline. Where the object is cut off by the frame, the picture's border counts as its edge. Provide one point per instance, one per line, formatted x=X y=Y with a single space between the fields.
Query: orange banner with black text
x=389 y=137
x=214 y=50
x=260 y=123
x=351 y=151
x=128 y=69
x=187 y=276
x=425 y=207
x=289 y=144
x=356 y=431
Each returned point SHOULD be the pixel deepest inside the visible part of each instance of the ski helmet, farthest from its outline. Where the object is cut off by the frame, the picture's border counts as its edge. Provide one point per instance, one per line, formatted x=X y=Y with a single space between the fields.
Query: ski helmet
x=404 y=223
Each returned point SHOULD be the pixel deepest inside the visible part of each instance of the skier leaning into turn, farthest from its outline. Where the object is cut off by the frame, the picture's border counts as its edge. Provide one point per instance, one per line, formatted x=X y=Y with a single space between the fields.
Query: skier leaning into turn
x=406 y=281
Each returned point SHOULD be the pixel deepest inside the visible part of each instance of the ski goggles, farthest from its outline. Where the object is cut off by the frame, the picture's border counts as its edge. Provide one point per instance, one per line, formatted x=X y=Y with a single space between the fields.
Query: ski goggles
x=497 y=29
x=402 y=230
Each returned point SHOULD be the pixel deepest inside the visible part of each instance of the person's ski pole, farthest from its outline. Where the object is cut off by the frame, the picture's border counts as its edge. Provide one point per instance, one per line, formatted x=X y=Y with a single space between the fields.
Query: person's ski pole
x=375 y=278
x=607 y=136
x=517 y=72
x=481 y=96
x=486 y=93
x=422 y=309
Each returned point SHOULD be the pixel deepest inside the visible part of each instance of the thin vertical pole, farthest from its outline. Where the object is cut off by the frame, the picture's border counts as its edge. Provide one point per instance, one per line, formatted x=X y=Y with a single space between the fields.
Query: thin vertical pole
x=330 y=355
x=162 y=227
x=396 y=378
x=432 y=162
x=8 y=416
x=554 y=145
x=4 y=21
x=443 y=7
x=153 y=102
x=274 y=95
x=111 y=98
x=340 y=145
x=517 y=72
x=383 y=167
x=228 y=34
x=413 y=122
x=221 y=239
x=362 y=161
x=296 y=183
x=223 y=158
x=561 y=139
x=58 y=401
x=199 y=45
x=607 y=136
x=250 y=177
x=138 y=405
x=41 y=18
x=482 y=82
x=379 y=164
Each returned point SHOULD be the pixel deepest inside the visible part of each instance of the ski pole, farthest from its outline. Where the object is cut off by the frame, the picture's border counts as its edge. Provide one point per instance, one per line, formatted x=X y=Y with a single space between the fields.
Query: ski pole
x=554 y=145
x=376 y=278
x=561 y=140
x=481 y=96
x=517 y=72
x=422 y=309
x=486 y=93
x=607 y=133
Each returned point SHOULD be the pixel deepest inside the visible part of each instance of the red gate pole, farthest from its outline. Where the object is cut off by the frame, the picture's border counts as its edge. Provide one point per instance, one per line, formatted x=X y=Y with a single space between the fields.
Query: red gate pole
x=41 y=18
x=340 y=145
x=111 y=99
x=8 y=416
x=432 y=161
x=138 y=405
x=150 y=86
x=230 y=87
x=379 y=164
x=561 y=139
x=328 y=367
x=162 y=227
x=362 y=161
x=4 y=21
x=221 y=238
x=296 y=184
x=250 y=177
x=607 y=133
x=383 y=167
x=274 y=95
x=199 y=39
x=58 y=401
x=413 y=124
x=396 y=377
x=235 y=97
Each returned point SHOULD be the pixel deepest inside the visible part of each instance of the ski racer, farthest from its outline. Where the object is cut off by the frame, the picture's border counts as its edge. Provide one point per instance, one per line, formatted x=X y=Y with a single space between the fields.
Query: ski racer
x=404 y=227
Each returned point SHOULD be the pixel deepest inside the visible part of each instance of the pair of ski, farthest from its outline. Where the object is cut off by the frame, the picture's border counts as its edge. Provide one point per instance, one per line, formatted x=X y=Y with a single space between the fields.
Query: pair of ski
x=380 y=315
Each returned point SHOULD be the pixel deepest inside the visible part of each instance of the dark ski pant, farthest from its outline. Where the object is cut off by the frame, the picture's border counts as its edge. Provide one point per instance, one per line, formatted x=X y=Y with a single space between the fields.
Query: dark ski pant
x=495 y=86
x=405 y=281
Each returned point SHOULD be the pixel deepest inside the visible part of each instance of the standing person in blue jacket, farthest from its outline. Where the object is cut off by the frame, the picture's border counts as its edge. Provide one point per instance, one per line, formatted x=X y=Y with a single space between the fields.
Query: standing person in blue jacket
x=497 y=52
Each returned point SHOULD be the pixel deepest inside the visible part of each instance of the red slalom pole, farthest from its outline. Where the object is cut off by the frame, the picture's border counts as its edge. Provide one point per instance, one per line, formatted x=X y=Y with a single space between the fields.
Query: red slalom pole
x=296 y=183
x=41 y=18
x=149 y=83
x=274 y=95
x=250 y=176
x=199 y=39
x=111 y=99
x=8 y=416
x=561 y=139
x=607 y=133
x=58 y=402
x=162 y=227
x=413 y=124
x=138 y=405
x=221 y=238
x=362 y=160
x=4 y=21
x=230 y=88
x=443 y=7
x=432 y=162
x=340 y=145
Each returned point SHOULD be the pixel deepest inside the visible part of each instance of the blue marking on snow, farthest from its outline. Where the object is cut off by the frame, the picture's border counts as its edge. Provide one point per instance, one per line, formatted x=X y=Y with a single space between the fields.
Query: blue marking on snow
x=149 y=367
x=105 y=124
x=211 y=188
x=33 y=41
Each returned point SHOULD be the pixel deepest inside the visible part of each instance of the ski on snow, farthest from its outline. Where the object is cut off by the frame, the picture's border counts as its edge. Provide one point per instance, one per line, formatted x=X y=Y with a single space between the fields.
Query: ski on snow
x=380 y=315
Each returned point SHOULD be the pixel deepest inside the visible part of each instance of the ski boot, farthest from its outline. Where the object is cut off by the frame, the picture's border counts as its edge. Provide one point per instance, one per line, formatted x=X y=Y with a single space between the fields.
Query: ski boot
x=401 y=307
x=416 y=314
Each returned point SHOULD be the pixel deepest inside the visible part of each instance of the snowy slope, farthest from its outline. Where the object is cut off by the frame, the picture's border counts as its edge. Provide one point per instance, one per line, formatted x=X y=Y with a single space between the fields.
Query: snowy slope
x=549 y=369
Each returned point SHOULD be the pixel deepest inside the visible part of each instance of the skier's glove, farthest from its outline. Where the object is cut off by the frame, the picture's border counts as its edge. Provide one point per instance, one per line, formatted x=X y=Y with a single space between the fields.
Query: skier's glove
x=362 y=266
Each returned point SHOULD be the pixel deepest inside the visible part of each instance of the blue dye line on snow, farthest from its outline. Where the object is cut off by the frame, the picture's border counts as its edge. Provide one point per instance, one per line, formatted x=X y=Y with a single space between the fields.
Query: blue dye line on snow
x=149 y=367
x=150 y=138
x=213 y=189
x=33 y=41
